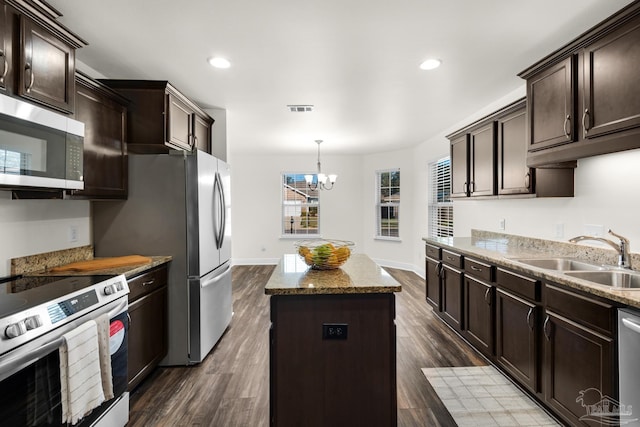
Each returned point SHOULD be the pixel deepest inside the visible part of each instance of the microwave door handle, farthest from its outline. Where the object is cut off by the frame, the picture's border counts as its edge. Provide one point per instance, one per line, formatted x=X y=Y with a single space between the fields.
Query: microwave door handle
x=10 y=366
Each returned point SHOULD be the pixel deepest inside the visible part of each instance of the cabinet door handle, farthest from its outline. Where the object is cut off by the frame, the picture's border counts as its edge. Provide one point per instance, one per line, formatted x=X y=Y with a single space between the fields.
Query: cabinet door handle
x=487 y=297
x=195 y=142
x=149 y=282
x=567 y=121
x=472 y=186
x=547 y=329
x=586 y=123
x=5 y=66
x=465 y=187
x=529 y=318
x=28 y=68
x=439 y=269
x=527 y=180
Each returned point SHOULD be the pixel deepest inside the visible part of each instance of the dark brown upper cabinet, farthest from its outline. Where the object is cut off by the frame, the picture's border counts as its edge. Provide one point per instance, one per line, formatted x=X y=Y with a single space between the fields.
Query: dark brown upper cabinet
x=514 y=177
x=37 y=54
x=611 y=82
x=47 y=66
x=473 y=154
x=460 y=166
x=5 y=46
x=104 y=114
x=489 y=157
x=482 y=160
x=584 y=99
x=161 y=118
x=551 y=97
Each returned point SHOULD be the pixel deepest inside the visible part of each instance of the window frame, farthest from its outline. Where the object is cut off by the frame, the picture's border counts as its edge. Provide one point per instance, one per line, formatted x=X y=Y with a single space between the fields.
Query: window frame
x=389 y=204
x=284 y=206
x=440 y=204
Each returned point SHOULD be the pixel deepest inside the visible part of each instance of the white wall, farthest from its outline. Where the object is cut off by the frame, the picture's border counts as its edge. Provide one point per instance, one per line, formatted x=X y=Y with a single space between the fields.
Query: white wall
x=30 y=227
x=256 y=203
x=606 y=194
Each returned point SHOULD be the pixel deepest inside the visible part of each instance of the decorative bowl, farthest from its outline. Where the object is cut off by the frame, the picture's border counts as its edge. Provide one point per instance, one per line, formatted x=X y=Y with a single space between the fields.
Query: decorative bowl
x=324 y=254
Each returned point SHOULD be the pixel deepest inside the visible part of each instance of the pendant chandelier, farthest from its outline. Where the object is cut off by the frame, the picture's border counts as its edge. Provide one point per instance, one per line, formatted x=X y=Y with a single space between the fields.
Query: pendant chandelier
x=323 y=182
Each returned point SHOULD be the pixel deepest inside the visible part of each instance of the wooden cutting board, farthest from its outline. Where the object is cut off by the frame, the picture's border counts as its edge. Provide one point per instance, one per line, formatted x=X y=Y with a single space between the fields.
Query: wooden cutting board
x=102 y=263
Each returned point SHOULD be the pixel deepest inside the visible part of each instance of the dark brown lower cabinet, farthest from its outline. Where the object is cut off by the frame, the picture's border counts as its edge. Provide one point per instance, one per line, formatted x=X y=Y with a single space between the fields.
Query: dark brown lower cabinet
x=516 y=338
x=479 y=314
x=578 y=367
x=317 y=382
x=148 y=323
x=452 y=296
x=433 y=291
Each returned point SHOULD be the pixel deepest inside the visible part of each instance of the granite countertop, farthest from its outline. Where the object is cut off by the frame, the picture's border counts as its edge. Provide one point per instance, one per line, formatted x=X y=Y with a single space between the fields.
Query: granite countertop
x=359 y=275
x=501 y=250
x=40 y=264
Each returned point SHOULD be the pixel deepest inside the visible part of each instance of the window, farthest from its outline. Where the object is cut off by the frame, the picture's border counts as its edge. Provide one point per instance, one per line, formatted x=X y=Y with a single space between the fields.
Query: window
x=300 y=206
x=440 y=205
x=388 y=204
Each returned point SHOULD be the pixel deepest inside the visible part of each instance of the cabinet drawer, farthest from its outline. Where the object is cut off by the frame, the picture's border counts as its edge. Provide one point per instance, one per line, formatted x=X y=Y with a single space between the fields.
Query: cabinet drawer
x=452 y=258
x=581 y=309
x=432 y=251
x=478 y=269
x=521 y=285
x=147 y=282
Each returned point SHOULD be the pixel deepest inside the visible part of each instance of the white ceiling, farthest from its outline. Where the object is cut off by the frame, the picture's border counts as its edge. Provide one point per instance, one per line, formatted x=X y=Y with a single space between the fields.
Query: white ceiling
x=355 y=60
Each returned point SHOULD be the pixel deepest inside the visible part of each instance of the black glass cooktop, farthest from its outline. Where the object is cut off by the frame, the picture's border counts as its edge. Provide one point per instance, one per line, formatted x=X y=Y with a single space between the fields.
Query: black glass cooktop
x=22 y=293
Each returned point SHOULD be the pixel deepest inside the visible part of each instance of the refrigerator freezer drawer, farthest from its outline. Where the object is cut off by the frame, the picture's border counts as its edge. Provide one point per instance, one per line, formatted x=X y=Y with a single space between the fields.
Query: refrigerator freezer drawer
x=211 y=310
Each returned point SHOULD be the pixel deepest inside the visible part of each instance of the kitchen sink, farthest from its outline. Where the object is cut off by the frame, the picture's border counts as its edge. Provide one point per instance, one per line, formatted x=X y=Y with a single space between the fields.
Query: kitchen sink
x=560 y=264
x=614 y=279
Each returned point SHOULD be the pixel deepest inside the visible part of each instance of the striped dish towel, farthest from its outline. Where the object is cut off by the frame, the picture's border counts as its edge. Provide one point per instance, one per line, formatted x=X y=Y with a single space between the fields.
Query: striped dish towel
x=103 y=323
x=80 y=377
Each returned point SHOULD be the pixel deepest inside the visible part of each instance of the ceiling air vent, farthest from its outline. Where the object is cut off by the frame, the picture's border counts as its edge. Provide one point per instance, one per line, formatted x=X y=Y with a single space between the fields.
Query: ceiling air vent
x=300 y=108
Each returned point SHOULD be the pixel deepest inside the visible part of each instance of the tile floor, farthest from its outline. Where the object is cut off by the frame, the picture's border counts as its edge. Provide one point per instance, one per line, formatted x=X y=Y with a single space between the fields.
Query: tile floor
x=482 y=396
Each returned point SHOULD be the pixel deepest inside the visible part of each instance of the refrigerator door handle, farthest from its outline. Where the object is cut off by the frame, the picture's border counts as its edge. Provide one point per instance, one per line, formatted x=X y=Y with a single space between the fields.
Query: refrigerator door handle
x=216 y=211
x=223 y=210
x=216 y=280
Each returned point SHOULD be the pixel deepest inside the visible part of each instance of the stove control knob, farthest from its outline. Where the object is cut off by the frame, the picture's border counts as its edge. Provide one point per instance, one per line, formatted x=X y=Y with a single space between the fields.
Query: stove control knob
x=15 y=330
x=120 y=286
x=33 y=322
x=110 y=289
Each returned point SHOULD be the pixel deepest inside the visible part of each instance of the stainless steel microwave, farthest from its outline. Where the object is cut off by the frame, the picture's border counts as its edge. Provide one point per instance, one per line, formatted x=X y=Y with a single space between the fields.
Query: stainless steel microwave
x=39 y=148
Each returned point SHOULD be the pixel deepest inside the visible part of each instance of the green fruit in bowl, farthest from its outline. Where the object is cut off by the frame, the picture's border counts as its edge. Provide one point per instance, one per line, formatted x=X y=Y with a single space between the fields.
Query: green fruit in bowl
x=321 y=254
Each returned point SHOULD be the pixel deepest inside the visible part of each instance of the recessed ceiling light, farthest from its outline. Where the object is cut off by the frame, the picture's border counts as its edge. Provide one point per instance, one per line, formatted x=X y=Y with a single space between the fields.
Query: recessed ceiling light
x=430 y=64
x=218 y=62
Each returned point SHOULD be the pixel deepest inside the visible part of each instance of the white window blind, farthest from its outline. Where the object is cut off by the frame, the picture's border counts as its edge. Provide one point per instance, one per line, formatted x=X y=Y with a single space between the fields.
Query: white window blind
x=300 y=206
x=440 y=205
x=388 y=204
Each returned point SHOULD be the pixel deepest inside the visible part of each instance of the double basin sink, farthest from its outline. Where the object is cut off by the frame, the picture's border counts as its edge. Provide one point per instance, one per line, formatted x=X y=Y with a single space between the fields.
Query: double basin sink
x=611 y=277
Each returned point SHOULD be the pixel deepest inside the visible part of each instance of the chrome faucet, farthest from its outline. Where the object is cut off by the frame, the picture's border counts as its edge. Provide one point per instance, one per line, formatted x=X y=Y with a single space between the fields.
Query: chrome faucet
x=623 y=248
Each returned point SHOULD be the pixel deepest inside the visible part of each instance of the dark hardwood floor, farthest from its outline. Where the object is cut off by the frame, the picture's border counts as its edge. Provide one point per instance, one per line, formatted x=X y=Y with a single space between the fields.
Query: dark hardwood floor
x=231 y=386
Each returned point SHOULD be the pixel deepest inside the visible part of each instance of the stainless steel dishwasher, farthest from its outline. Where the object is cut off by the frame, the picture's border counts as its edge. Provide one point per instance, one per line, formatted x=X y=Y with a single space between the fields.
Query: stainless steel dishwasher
x=628 y=356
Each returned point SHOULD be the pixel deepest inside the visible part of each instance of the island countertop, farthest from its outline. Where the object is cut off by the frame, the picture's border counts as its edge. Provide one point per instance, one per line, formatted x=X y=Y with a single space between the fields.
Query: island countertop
x=359 y=275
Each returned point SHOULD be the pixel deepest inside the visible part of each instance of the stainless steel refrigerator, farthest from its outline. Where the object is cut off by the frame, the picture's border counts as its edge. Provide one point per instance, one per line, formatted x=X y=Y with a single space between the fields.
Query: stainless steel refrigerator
x=179 y=204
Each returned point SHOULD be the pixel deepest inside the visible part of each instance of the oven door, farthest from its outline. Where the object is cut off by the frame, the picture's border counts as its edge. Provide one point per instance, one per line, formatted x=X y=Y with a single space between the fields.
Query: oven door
x=30 y=383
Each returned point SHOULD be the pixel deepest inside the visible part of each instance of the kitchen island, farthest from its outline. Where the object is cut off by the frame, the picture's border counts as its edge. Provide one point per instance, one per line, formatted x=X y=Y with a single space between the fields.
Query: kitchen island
x=332 y=344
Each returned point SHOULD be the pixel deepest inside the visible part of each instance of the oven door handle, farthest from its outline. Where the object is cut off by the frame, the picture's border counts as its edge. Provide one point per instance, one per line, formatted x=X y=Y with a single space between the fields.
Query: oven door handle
x=23 y=360
x=113 y=313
